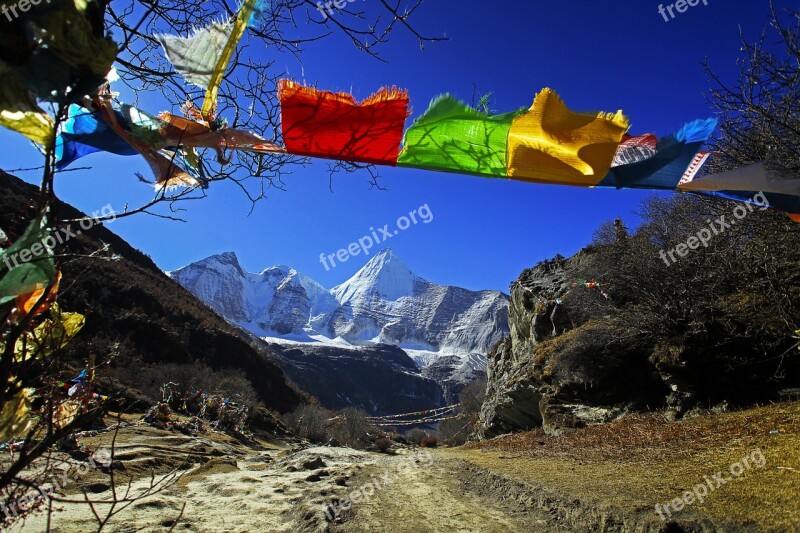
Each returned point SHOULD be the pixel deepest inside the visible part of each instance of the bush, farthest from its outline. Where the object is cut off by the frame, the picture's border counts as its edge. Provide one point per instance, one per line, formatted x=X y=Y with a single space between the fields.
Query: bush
x=185 y=379
x=454 y=432
x=415 y=436
x=429 y=441
x=348 y=427
x=383 y=445
x=352 y=428
x=309 y=422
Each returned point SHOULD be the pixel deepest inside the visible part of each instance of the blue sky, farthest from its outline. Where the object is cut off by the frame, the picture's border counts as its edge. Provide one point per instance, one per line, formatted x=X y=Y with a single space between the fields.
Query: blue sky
x=599 y=55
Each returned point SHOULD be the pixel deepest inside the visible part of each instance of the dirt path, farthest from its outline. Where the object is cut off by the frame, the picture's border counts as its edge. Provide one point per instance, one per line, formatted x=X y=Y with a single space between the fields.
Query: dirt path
x=223 y=485
x=433 y=493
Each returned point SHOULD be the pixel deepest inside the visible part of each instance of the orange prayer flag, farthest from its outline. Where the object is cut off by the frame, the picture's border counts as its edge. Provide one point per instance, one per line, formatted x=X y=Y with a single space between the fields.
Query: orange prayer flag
x=26 y=302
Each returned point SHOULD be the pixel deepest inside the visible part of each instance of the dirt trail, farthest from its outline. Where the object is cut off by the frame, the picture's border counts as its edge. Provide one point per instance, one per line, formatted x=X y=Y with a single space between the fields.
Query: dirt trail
x=434 y=494
x=228 y=486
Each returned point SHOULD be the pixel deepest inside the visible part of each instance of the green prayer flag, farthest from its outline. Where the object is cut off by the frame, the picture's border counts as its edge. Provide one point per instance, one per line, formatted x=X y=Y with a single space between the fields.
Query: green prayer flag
x=451 y=136
x=27 y=265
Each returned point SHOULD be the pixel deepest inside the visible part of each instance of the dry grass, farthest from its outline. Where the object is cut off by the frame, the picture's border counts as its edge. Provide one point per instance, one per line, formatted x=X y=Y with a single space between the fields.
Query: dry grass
x=642 y=460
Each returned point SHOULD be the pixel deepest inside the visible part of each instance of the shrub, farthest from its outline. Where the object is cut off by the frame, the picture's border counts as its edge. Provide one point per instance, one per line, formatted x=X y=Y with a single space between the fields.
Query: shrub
x=309 y=422
x=429 y=441
x=352 y=428
x=186 y=379
x=454 y=432
x=383 y=445
x=415 y=436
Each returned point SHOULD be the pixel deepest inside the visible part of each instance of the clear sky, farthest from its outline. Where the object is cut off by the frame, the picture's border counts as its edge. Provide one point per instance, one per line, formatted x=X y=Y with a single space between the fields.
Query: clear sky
x=598 y=54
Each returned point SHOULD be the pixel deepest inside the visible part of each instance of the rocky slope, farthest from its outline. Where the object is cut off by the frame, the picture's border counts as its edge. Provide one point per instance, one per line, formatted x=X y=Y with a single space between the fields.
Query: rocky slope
x=523 y=394
x=715 y=331
x=550 y=373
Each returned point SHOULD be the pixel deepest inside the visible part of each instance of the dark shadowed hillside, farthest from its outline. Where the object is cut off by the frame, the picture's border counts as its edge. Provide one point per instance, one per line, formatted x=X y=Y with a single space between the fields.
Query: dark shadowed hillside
x=137 y=314
x=379 y=379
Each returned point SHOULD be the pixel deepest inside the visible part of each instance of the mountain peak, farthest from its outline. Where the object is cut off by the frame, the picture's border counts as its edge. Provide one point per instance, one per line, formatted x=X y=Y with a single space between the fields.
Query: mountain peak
x=386 y=252
x=278 y=270
x=227 y=256
x=386 y=258
x=385 y=275
x=225 y=259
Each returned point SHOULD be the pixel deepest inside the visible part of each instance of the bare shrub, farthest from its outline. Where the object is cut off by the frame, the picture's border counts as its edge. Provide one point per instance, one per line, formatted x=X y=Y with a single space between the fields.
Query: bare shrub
x=429 y=441
x=383 y=445
x=173 y=383
x=415 y=436
x=456 y=431
x=309 y=422
x=352 y=428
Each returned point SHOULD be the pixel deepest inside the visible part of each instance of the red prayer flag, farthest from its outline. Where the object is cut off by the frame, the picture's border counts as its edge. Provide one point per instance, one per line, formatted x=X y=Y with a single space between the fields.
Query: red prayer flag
x=335 y=126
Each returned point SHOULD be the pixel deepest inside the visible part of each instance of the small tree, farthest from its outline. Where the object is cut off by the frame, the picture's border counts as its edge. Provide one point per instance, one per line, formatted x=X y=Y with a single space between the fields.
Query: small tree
x=456 y=431
x=352 y=428
x=429 y=441
x=309 y=422
x=415 y=436
x=383 y=445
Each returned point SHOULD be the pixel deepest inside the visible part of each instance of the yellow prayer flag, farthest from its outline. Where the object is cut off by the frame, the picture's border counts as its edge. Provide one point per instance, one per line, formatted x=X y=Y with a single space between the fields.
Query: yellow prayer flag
x=552 y=144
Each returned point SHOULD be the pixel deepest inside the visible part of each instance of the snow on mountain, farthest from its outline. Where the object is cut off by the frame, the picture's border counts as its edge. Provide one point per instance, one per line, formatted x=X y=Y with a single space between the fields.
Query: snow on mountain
x=384 y=302
x=279 y=301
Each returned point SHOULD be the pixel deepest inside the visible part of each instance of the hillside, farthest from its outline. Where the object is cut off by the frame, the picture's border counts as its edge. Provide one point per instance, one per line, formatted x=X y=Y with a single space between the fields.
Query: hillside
x=615 y=329
x=136 y=316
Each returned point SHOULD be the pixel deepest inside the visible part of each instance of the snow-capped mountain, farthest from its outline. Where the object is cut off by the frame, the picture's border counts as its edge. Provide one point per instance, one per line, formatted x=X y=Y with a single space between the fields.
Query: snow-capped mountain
x=277 y=302
x=383 y=303
x=386 y=302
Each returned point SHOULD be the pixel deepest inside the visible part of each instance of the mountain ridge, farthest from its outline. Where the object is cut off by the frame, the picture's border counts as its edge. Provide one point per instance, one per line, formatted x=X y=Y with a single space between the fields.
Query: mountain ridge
x=383 y=303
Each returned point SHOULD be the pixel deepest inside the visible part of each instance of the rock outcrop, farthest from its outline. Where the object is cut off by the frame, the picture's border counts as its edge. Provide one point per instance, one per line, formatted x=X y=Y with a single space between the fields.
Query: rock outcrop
x=558 y=373
x=702 y=334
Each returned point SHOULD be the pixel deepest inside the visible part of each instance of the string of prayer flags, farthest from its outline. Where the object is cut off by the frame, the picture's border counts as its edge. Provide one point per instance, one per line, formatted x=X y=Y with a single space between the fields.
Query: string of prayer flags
x=26 y=302
x=179 y=131
x=668 y=165
x=453 y=137
x=58 y=45
x=28 y=265
x=19 y=111
x=757 y=177
x=85 y=132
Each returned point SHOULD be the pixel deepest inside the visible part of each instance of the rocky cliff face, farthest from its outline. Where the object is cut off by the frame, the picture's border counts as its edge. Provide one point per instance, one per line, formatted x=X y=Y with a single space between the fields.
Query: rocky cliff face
x=616 y=328
x=555 y=372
